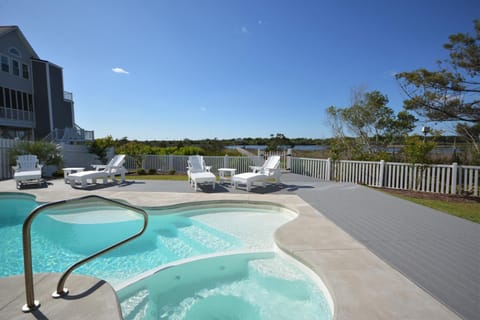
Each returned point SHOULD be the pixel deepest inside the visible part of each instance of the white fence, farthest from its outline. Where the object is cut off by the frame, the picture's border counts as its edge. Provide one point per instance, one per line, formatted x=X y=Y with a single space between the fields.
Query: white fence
x=447 y=179
x=166 y=163
x=5 y=166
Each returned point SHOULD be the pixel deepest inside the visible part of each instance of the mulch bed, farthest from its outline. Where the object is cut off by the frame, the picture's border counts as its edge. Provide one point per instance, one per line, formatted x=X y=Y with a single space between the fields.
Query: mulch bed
x=433 y=196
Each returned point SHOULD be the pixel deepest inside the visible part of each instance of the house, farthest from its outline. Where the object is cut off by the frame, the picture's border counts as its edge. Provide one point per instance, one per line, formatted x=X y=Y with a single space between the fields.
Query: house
x=33 y=103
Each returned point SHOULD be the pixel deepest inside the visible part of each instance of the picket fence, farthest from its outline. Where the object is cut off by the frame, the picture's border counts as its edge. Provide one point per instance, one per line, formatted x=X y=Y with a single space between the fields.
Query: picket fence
x=5 y=165
x=167 y=163
x=446 y=179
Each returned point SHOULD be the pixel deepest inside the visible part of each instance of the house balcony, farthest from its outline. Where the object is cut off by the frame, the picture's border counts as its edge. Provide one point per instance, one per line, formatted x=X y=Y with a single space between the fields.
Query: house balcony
x=67 y=96
x=16 y=117
x=70 y=135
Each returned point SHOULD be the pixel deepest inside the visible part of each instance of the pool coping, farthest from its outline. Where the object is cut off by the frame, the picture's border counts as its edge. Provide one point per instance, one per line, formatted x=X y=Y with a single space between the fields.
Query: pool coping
x=362 y=286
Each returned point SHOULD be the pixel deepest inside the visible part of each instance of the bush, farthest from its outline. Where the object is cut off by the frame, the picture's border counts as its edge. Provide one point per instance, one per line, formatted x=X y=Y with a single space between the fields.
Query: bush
x=152 y=171
x=46 y=152
x=141 y=172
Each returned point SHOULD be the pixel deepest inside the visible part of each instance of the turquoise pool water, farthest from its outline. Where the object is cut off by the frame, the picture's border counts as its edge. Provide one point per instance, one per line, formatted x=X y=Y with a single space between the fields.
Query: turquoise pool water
x=261 y=285
x=214 y=234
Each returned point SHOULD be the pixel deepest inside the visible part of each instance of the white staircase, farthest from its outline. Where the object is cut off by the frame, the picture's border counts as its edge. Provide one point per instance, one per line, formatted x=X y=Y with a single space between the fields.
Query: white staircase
x=76 y=155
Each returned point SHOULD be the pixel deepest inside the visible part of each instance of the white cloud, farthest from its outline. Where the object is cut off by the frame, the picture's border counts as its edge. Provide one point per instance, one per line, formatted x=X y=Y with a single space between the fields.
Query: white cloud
x=120 y=70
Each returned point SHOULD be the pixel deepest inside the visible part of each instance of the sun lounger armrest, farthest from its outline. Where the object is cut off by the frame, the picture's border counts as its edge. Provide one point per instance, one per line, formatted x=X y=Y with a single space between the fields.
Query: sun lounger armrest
x=207 y=168
x=99 y=167
x=255 y=168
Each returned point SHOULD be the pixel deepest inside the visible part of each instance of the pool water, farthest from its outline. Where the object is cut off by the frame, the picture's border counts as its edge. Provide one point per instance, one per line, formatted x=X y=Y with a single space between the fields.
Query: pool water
x=261 y=285
x=221 y=254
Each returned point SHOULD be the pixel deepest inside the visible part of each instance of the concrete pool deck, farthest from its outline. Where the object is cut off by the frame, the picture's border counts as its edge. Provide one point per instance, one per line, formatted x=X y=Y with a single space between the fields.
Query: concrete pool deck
x=362 y=285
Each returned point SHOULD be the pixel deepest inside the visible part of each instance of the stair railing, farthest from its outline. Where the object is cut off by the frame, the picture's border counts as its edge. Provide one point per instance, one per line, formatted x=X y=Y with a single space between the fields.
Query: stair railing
x=33 y=304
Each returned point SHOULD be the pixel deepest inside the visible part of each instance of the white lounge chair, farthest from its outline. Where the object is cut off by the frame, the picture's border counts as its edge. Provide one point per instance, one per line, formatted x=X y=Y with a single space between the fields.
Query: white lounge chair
x=267 y=164
x=27 y=171
x=113 y=168
x=269 y=171
x=199 y=173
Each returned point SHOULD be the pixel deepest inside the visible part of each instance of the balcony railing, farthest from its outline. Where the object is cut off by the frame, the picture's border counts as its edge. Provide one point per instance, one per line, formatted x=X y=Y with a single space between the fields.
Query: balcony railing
x=67 y=95
x=16 y=114
x=69 y=135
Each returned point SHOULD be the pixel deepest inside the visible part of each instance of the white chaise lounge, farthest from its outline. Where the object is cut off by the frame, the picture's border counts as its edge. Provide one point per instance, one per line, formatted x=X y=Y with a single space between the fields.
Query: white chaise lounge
x=27 y=171
x=199 y=173
x=113 y=168
x=269 y=171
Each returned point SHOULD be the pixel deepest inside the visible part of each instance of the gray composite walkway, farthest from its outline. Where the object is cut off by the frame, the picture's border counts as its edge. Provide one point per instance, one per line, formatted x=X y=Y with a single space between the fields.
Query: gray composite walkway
x=438 y=252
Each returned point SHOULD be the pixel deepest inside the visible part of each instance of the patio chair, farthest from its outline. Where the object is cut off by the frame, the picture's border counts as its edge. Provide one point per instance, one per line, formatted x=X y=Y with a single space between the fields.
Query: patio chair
x=113 y=168
x=27 y=171
x=269 y=171
x=199 y=173
x=267 y=164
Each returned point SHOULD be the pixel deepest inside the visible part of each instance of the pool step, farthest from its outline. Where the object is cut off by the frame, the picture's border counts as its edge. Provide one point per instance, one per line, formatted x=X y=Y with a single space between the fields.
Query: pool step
x=136 y=306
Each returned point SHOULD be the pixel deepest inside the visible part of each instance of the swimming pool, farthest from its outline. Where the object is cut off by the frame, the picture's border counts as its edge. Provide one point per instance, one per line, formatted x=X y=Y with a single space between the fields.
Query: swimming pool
x=178 y=239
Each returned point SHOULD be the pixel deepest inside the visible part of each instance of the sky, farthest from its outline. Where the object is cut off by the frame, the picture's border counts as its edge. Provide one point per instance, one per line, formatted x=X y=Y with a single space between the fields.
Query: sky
x=206 y=69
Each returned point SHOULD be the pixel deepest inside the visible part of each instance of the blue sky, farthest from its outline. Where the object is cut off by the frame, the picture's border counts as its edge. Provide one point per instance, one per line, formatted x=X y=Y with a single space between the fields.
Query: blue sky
x=227 y=69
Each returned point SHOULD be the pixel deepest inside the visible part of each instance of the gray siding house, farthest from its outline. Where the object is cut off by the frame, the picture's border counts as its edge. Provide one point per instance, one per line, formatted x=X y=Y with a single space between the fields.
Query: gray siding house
x=33 y=103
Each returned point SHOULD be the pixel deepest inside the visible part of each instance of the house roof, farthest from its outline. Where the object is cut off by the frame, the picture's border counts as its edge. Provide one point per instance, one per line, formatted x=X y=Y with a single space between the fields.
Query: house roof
x=4 y=30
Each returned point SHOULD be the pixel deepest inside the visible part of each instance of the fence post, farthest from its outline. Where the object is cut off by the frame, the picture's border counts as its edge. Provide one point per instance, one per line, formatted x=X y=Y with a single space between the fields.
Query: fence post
x=381 y=174
x=170 y=162
x=289 y=159
x=453 y=188
x=328 y=169
x=225 y=161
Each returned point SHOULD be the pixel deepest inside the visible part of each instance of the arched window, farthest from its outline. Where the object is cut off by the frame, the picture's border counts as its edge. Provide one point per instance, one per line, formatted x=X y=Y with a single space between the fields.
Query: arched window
x=14 y=52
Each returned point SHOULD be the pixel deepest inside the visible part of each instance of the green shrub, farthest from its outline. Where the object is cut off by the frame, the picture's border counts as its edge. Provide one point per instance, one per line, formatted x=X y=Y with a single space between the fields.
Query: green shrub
x=46 y=152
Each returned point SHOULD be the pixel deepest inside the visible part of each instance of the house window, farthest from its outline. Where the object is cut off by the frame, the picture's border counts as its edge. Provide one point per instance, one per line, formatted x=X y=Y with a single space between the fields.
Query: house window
x=14 y=52
x=14 y=98
x=30 y=103
x=19 y=100
x=2 y=104
x=15 y=67
x=5 y=64
x=25 y=73
x=7 y=98
x=25 y=102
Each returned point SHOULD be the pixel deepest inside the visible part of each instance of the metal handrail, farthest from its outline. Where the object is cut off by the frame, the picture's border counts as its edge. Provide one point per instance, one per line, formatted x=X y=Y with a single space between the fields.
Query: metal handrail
x=33 y=304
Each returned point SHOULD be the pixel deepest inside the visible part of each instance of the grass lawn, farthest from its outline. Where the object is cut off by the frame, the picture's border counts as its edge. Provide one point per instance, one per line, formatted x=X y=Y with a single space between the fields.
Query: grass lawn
x=466 y=208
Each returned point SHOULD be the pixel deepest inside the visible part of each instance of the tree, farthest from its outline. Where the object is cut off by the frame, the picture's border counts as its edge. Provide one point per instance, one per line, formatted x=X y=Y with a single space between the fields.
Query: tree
x=373 y=124
x=100 y=147
x=451 y=93
x=276 y=141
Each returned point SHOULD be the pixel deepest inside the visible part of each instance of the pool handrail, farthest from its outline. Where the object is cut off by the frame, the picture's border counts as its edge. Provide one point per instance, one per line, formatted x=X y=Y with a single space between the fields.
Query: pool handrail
x=33 y=304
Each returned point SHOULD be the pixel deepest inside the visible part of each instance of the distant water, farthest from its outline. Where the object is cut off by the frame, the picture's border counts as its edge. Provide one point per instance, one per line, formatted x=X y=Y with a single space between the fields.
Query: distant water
x=299 y=147
x=440 y=149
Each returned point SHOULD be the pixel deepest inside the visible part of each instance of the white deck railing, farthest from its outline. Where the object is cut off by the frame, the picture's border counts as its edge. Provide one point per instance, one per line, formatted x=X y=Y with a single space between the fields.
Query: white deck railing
x=165 y=163
x=447 y=179
x=5 y=166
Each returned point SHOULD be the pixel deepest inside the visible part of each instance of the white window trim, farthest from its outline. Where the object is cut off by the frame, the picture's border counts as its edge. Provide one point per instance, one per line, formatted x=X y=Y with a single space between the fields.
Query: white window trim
x=19 y=55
